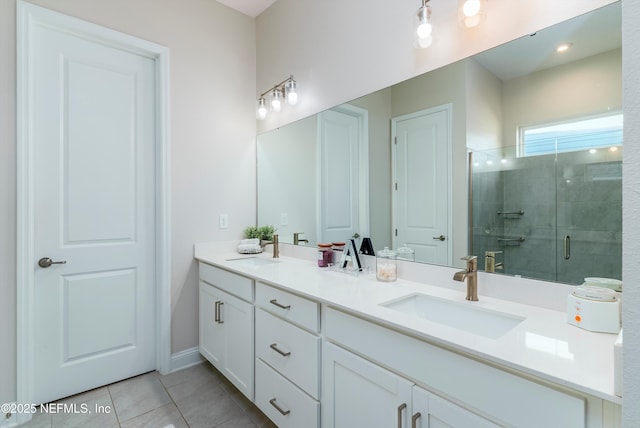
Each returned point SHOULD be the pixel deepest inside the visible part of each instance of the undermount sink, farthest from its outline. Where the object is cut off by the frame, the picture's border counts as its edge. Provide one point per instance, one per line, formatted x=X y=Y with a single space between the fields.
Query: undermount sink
x=252 y=261
x=460 y=315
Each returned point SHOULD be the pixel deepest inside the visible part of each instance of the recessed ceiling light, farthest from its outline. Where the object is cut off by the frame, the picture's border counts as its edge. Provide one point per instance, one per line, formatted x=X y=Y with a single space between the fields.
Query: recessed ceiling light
x=563 y=47
x=613 y=149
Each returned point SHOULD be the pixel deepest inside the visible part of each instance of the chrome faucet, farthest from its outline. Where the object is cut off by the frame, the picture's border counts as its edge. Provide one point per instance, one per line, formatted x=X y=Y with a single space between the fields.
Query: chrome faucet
x=297 y=240
x=276 y=246
x=471 y=276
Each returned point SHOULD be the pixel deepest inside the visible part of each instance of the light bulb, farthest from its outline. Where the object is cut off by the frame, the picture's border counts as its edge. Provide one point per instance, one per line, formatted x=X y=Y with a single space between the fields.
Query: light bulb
x=423 y=29
x=262 y=108
x=291 y=92
x=276 y=101
x=471 y=8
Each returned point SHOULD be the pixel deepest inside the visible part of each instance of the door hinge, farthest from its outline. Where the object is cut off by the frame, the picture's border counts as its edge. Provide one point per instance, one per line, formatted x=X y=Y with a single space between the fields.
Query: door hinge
x=396 y=232
x=395 y=140
x=396 y=186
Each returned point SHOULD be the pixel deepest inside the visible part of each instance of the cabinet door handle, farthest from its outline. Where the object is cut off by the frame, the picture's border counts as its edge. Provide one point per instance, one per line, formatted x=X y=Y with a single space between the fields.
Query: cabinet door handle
x=414 y=420
x=280 y=305
x=220 y=312
x=274 y=346
x=278 y=408
x=400 y=410
x=216 y=312
x=567 y=247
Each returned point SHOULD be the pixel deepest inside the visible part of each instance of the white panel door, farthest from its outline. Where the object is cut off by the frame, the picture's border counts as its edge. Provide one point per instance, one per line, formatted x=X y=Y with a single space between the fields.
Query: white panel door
x=93 y=137
x=421 y=189
x=338 y=176
x=357 y=393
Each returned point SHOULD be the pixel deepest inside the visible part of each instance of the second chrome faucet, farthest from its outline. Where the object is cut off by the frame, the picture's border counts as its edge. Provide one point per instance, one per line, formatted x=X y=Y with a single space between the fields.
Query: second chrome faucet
x=470 y=275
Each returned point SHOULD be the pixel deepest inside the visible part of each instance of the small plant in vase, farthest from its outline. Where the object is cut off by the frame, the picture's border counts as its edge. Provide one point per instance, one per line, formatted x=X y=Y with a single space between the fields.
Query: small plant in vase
x=263 y=233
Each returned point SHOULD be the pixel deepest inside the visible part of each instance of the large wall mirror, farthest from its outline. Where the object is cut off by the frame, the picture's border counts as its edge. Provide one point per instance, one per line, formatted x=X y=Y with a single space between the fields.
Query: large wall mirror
x=514 y=152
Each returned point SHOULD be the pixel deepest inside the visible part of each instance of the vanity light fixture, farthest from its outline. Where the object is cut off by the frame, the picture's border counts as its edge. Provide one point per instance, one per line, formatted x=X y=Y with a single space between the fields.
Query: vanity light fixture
x=471 y=12
x=422 y=28
x=285 y=91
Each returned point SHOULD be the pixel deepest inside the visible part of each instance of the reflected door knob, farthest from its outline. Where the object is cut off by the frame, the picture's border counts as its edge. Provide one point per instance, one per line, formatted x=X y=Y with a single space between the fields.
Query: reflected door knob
x=45 y=262
x=440 y=238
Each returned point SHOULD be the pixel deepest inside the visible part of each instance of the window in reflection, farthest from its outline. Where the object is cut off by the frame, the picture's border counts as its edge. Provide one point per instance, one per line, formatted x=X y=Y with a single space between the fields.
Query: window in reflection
x=591 y=133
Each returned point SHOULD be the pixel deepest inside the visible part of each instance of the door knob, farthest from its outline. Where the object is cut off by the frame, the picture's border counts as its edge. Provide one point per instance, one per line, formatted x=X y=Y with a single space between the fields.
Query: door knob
x=45 y=262
x=440 y=238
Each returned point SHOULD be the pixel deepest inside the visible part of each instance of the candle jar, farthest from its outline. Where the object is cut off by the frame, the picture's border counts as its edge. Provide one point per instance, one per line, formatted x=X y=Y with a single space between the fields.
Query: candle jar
x=386 y=269
x=325 y=255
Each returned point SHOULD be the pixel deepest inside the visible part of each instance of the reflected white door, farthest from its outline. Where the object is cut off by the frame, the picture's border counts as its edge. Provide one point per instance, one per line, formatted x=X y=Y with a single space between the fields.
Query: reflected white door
x=422 y=185
x=343 y=174
x=93 y=136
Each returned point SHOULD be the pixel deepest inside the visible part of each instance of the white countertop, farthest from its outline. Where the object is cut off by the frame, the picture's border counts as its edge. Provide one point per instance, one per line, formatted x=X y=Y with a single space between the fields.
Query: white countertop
x=544 y=345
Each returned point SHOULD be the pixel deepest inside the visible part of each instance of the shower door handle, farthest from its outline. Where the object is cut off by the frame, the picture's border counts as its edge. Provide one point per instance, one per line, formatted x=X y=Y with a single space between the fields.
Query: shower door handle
x=567 y=247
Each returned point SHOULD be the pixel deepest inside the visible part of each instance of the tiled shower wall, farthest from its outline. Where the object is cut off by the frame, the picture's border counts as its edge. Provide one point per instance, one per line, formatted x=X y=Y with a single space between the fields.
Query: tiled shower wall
x=577 y=194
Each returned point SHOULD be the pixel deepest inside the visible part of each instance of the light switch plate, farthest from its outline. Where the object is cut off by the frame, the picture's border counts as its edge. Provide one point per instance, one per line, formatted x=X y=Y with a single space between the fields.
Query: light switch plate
x=223 y=221
x=284 y=219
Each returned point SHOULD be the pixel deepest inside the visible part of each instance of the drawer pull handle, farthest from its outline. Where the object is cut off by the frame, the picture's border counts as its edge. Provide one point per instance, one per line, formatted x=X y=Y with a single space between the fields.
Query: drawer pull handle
x=278 y=408
x=218 y=317
x=274 y=346
x=275 y=302
x=400 y=409
x=414 y=420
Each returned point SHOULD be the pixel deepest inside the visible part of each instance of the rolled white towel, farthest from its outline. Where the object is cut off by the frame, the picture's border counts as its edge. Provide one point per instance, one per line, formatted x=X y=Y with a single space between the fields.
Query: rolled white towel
x=253 y=241
x=248 y=246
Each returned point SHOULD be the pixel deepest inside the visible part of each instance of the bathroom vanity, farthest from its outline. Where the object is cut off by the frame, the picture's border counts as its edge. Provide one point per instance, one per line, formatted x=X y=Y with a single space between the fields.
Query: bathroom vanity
x=314 y=347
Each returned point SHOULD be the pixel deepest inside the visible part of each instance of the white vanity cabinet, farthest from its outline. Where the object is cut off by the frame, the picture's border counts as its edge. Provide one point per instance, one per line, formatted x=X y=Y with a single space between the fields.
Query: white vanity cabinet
x=287 y=357
x=227 y=325
x=362 y=394
x=497 y=395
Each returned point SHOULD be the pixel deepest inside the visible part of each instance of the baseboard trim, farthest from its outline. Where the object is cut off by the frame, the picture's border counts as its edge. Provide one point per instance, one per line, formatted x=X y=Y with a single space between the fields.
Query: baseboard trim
x=187 y=358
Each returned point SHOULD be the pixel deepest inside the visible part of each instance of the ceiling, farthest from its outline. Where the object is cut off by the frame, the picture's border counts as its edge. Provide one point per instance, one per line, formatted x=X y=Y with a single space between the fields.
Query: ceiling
x=252 y=8
x=588 y=34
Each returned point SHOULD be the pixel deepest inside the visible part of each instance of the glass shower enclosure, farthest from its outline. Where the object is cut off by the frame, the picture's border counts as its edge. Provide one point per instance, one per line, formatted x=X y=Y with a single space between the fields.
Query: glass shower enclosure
x=555 y=217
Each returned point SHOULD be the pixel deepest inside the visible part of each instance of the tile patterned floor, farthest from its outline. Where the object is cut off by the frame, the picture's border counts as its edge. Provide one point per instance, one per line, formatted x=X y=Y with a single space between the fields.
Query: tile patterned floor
x=196 y=397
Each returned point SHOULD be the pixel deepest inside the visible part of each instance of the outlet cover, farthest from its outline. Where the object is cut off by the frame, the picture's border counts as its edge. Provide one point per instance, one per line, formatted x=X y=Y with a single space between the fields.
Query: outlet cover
x=223 y=221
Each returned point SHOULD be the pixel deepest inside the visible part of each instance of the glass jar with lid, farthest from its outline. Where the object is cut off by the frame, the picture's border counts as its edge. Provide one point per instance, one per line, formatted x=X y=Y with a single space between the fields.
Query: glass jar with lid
x=406 y=253
x=386 y=265
x=325 y=255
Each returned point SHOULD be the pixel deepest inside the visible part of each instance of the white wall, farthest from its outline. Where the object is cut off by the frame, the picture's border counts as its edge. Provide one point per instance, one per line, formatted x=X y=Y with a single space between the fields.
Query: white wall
x=378 y=106
x=212 y=139
x=631 y=211
x=588 y=87
x=484 y=102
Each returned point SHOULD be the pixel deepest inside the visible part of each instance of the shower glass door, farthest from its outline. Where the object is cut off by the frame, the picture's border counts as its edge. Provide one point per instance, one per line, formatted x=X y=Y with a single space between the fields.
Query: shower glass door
x=555 y=217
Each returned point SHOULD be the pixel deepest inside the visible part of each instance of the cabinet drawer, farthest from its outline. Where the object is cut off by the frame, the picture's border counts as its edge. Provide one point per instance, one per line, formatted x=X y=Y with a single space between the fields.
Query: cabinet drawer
x=284 y=403
x=230 y=282
x=301 y=362
x=295 y=309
